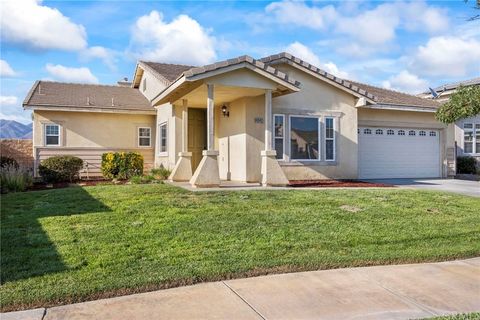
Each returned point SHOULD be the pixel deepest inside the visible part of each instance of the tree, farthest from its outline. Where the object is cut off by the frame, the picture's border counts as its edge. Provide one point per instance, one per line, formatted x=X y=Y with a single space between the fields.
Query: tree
x=464 y=103
x=477 y=7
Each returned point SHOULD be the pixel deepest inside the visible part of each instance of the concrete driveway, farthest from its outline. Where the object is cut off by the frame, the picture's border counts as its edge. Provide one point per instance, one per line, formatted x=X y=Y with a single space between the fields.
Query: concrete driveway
x=386 y=292
x=465 y=187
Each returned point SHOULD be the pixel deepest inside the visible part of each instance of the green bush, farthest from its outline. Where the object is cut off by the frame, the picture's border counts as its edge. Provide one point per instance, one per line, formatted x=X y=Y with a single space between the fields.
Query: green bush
x=160 y=173
x=122 y=165
x=7 y=161
x=14 y=178
x=60 y=168
x=466 y=165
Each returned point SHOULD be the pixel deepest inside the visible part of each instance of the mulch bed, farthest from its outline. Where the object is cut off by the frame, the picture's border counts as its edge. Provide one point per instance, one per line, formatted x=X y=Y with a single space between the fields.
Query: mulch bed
x=337 y=184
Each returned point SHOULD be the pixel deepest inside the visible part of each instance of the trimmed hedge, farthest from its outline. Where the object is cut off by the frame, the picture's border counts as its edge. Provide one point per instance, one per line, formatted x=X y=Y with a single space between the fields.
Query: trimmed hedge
x=122 y=165
x=60 y=168
x=466 y=165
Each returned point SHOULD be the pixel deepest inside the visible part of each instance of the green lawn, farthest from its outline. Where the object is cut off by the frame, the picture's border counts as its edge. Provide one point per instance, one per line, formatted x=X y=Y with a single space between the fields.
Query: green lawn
x=67 y=245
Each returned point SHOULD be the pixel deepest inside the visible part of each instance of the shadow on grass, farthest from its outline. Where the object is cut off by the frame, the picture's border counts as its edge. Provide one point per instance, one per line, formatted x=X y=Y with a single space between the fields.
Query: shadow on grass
x=26 y=249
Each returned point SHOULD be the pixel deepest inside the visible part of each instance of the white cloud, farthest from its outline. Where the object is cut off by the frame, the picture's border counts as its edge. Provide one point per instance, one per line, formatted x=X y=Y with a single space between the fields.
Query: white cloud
x=97 y=52
x=8 y=100
x=36 y=26
x=300 y=14
x=303 y=52
x=183 y=40
x=6 y=70
x=62 y=73
x=447 y=56
x=406 y=82
x=24 y=118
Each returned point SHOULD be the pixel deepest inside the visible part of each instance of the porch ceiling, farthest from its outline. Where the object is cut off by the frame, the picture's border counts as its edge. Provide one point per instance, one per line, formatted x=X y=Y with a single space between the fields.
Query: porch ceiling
x=197 y=98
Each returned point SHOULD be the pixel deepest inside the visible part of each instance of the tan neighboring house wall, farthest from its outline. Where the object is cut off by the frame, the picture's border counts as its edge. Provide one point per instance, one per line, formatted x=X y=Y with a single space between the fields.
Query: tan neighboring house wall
x=88 y=135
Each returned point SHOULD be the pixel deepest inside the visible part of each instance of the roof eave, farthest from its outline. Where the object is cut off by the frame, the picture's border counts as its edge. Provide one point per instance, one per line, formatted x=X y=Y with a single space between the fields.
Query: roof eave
x=46 y=107
x=397 y=107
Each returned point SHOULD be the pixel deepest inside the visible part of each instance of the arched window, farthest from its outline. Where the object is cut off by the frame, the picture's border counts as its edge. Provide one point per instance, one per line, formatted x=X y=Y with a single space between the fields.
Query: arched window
x=422 y=133
x=433 y=134
x=367 y=131
x=390 y=132
x=411 y=132
x=379 y=131
x=401 y=132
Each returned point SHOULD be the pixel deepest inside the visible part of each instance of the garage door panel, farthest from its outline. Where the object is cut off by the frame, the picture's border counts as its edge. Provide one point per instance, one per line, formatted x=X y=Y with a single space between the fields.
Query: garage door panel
x=398 y=156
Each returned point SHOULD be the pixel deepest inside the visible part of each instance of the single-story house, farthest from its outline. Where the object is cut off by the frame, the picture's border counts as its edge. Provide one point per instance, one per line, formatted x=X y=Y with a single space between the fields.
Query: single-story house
x=467 y=131
x=269 y=120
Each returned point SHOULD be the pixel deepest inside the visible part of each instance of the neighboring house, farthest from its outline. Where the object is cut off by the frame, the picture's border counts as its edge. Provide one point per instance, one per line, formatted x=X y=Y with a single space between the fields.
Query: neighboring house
x=269 y=120
x=467 y=131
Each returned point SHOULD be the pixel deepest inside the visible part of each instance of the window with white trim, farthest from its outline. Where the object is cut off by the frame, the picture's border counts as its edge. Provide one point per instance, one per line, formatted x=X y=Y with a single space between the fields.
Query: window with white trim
x=52 y=135
x=422 y=133
x=390 y=132
x=401 y=132
x=379 y=131
x=279 y=135
x=411 y=132
x=162 y=138
x=367 y=131
x=144 y=136
x=477 y=138
x=329 y=139
x=433 y=134
x=304 y=138
x=468 y=138
x=144 y=84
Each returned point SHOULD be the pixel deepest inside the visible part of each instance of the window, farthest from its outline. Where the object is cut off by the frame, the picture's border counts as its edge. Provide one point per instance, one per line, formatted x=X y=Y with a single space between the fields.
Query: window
x=411 y=132
x=390 y=132
x=144 y=85
x=52 y=135
x=401 y=132
x=379 y=131
x=367 y=131
x=468 y=137
x=162 y=138
x=304 y=138
x=279 y=135
x=144 y=137
x=422 y=133
x=433 y=134
x=477 y=138
x=329 y=139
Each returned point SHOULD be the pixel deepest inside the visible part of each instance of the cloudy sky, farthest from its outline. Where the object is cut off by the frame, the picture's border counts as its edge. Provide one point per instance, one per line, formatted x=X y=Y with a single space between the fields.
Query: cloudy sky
x=405 y=45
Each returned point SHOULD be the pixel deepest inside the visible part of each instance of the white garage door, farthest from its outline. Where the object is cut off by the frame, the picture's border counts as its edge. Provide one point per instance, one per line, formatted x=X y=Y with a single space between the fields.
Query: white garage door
x=398 y=153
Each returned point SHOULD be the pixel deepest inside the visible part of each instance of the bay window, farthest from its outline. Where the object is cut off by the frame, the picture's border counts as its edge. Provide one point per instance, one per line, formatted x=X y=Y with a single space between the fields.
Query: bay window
x=330 y=139
x=279 y=135
x=304 y=138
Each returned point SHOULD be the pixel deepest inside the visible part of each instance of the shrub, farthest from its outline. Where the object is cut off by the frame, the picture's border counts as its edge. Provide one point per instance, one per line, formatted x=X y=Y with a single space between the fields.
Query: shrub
x=160 y=173
x=142 y=179
x=7 y=161
x=466 y=165
x=14 y=178
x=60 y=168
x=122 y=165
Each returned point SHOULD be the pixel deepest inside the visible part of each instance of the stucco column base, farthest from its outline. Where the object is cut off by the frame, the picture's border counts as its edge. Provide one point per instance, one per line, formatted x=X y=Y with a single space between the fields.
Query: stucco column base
x=207 y=174
x=272 y=173
x=183 y=168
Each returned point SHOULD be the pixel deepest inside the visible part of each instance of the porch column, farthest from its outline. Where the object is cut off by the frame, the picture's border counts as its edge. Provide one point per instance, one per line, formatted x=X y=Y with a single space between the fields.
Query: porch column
x=272 y=173
x=207 y=174
x=183 y=167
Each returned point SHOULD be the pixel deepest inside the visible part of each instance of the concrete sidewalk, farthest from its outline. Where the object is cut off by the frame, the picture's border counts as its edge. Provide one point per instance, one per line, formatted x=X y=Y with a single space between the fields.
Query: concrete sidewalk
x=384 y=292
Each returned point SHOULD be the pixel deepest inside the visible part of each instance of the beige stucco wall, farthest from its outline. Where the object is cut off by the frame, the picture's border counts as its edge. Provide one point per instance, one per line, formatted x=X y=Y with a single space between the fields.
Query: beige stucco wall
x=153 y=87
x=318 y=98
x=89 y=134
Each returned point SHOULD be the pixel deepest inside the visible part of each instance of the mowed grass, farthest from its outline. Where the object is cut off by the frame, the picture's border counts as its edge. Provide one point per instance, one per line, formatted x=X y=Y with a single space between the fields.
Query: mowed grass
x=75 y=244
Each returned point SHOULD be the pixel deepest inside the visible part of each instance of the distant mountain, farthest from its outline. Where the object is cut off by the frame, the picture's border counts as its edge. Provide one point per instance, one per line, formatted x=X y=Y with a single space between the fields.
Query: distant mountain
x=11 y=129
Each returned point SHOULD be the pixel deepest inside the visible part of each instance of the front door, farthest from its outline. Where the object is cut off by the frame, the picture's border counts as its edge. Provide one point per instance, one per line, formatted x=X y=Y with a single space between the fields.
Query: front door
x=197 y=134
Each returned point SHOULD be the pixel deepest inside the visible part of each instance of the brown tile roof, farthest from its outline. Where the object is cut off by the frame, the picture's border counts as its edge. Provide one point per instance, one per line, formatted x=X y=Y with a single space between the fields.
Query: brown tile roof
x=392 y=97
x=378 y=95
x=74 y=95
x=169 y=72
